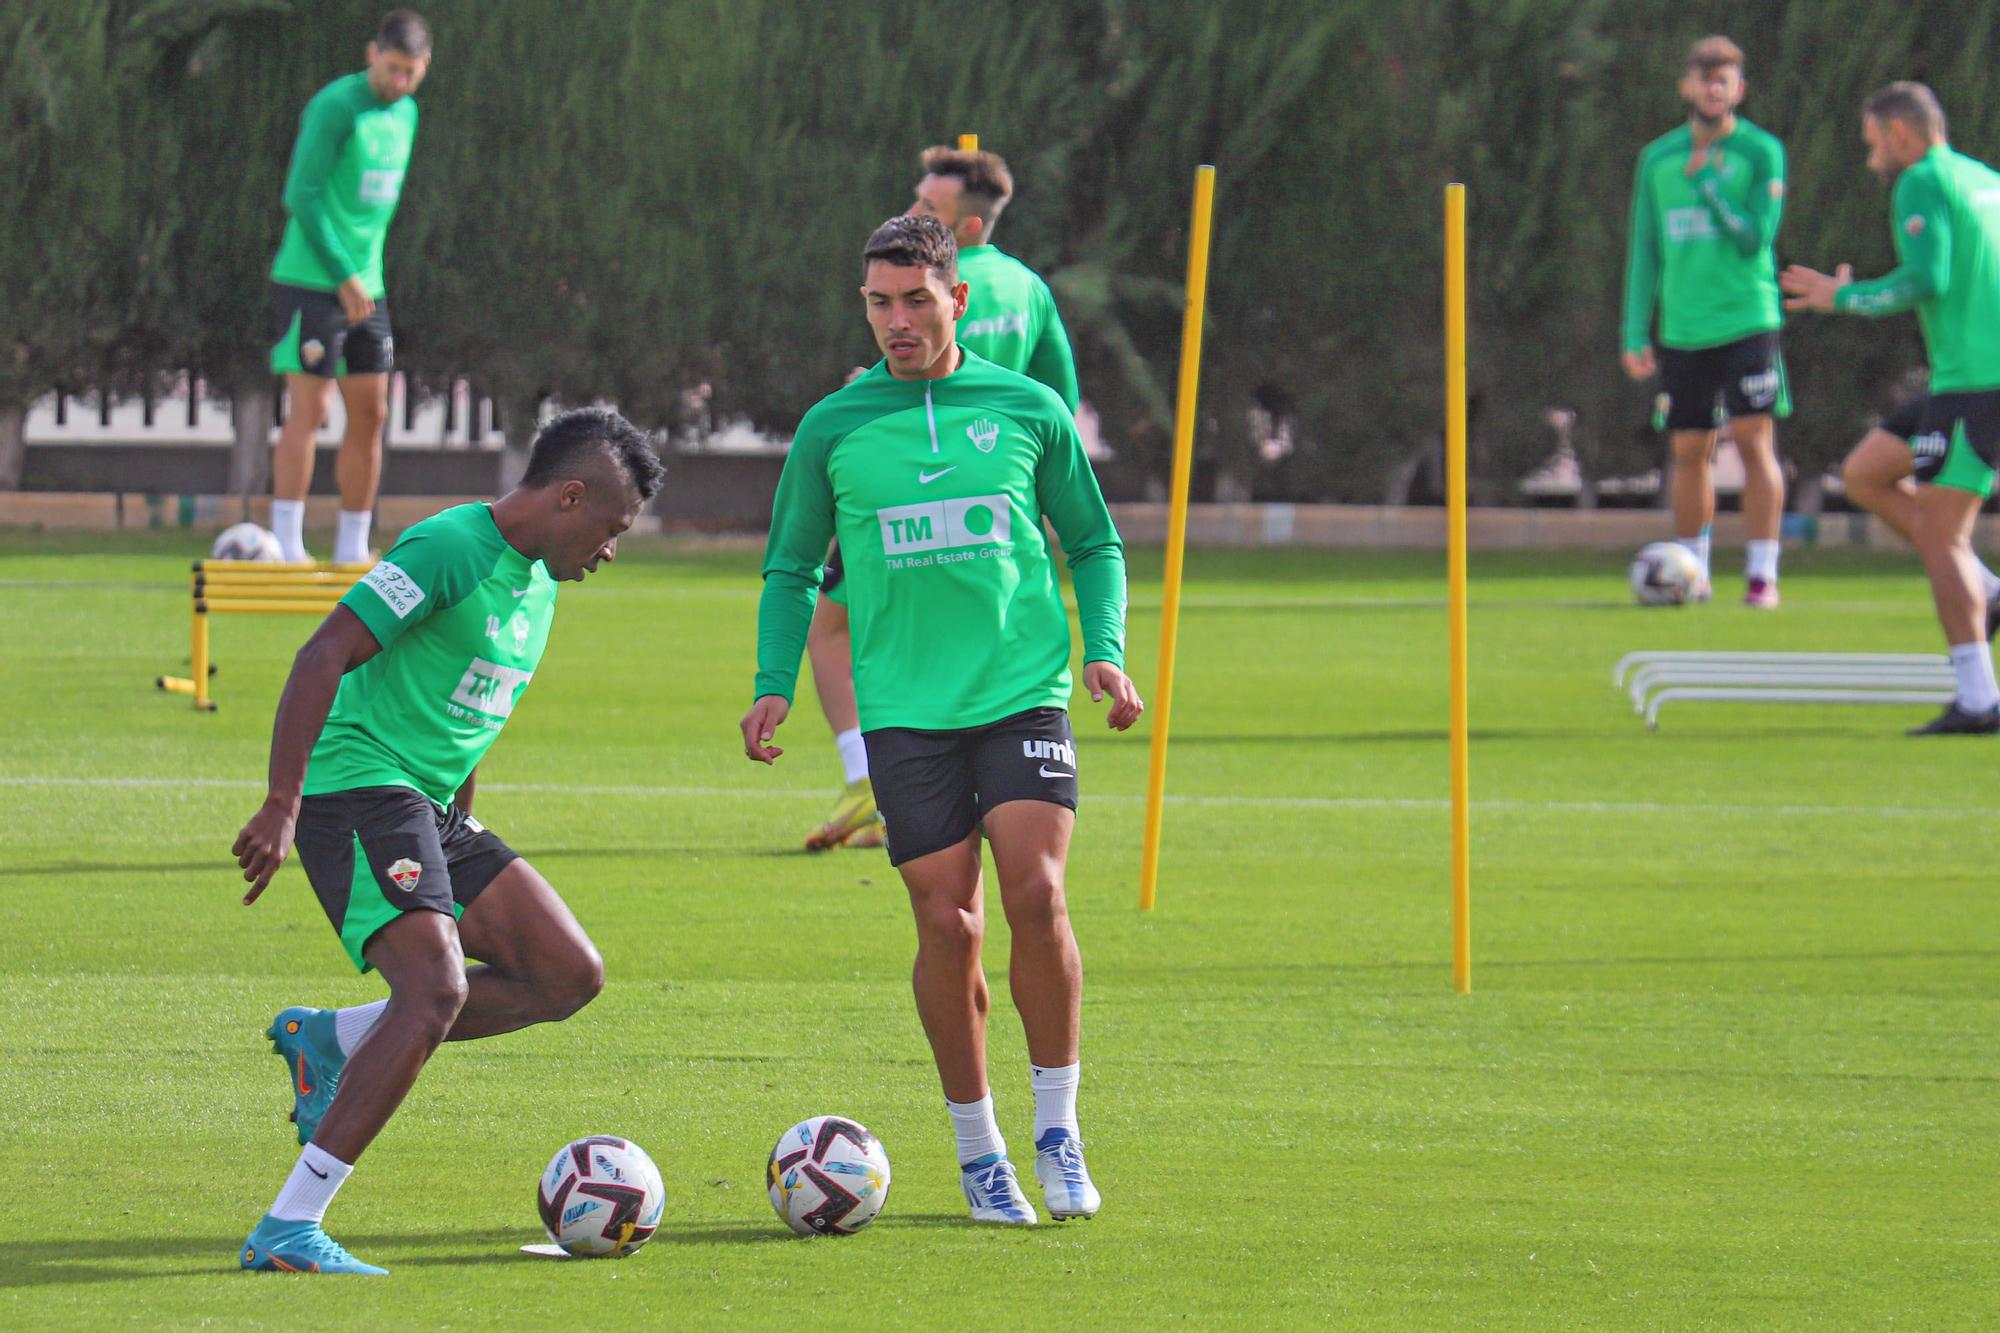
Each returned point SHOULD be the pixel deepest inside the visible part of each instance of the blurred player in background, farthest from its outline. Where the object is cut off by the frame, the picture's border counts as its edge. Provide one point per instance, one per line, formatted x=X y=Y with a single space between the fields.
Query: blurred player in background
x=330 y=309
x=937 y=470
x=1706 y=204
x=1944 y=212
x=1010 y=320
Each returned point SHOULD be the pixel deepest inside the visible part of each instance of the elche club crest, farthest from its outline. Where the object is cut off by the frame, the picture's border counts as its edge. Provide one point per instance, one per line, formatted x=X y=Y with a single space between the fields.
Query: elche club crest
x=404 y=873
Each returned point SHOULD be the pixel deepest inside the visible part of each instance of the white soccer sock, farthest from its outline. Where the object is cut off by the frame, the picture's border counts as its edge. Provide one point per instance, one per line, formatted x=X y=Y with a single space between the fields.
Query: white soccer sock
x=1972 y=663
x=350 y=541
x=978 y=1132
x=1055 y=1098
x=351 y=1025
x=853 y=753
x=316 y=1177
x=1761 y=561
x=1989 y=582
x=288 y=521
x=1699 y=545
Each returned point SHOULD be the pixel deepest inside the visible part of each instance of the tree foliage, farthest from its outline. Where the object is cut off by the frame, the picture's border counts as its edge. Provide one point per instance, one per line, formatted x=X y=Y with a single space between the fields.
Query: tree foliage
x=628 y=198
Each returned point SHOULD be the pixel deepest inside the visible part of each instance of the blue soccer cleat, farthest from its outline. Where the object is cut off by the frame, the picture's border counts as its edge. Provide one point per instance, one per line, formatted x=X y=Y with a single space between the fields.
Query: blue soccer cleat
x=1066 y=1187
x=304 y=1040
x=278 y=1246
x=994 y=1193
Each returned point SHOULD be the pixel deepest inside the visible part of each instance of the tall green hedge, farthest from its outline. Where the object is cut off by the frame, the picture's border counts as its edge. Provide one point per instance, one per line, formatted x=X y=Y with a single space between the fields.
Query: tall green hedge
x=626 y=198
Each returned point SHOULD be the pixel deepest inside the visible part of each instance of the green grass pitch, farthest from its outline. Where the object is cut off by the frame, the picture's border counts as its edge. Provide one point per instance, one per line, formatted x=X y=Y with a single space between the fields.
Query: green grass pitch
x=1732 y=1057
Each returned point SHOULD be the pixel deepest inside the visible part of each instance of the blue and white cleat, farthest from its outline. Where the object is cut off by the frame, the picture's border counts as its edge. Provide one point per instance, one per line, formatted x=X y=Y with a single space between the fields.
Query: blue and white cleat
x=994 y=1193
x=304 y=1040
x=278 y=1246
x=1066 y=1187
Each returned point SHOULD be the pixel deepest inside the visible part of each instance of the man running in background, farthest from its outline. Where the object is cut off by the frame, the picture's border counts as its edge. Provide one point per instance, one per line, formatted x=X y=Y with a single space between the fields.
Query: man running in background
x=1706 y=204
x=1010 y=320
x=1945 y=215
x=388 y=710
x=1879 y=476
x=329 y=304
x=937 y=470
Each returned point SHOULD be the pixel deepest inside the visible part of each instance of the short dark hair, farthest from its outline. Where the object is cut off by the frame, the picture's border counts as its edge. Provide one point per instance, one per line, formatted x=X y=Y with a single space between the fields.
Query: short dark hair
x=568 y=439
x=404 y=30
x=1912 y=103
x=984 y=178
x=1711 y=53
x=913 y=240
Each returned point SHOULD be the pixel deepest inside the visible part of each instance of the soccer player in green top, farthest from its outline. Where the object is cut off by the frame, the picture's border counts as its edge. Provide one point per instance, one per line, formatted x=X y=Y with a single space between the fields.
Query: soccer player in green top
x=1706 y=204
x=937 y=469
x=1945 y=213
x=1010 y=320
x=330 y=313
x=390 y=706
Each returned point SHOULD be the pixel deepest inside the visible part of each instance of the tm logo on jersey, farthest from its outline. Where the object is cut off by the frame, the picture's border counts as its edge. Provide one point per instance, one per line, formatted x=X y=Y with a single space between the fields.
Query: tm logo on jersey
x=1690 y=224
x=975 y=520
x=1009 y=323
x=489 y=688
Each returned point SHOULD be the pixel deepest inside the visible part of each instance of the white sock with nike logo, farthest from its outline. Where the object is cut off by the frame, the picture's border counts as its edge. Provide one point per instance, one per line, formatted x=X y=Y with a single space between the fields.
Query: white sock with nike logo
x=315 y=1179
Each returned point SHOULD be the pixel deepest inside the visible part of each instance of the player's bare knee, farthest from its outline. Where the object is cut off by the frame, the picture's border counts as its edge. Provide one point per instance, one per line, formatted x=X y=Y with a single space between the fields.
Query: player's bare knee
x=575 y=983
x=1037 y=906
x=947 y=926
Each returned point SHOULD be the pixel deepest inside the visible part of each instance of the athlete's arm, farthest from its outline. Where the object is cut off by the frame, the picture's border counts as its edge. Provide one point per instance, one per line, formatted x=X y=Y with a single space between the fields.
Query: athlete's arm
x=1068 y=494
x=1050 y=360
x=1923 y=245
x=794 y=560
x=340 y=644
x=1755 y=228
x=1642 y=268
x=323 y=130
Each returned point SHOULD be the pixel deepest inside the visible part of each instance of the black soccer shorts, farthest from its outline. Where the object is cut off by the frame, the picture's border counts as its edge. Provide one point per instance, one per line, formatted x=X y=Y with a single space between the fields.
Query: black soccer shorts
x=1702 y=388
x=374 y=853
x=310 y=335
x=934 y=787
x=1957 y=443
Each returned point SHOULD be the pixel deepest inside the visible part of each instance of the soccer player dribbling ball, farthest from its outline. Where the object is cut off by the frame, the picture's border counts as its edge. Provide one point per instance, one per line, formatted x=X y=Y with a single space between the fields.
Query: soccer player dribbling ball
x=1011 y=320
x=936 y=469
x=1706 y=203
x=1945 y=211
x=388 y=710
x=329 y=301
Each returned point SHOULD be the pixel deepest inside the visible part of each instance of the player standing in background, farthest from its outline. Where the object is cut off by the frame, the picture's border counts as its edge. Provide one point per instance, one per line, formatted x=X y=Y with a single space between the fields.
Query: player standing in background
x=329 y=305
x=936 y=469
x=1944 y=210
x=1706 y=204
x=1010 y=320
x=388 y=710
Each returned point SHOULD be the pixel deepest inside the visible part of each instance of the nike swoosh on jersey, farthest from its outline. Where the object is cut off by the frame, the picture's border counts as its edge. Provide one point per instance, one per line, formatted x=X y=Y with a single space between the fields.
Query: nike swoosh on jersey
x=1048 y=772
x=520 y=592
x=926 y=478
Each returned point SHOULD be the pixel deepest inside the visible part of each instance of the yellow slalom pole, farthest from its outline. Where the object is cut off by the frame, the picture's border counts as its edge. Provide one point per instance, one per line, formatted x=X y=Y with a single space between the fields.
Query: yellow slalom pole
x=1170 y=609
x=1454 y=402
x=200 y=656
x=968 y=143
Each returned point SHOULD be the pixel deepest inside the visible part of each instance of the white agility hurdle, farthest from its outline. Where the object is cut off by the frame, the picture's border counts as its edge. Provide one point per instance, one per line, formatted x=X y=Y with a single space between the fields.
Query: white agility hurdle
x=1654 y=679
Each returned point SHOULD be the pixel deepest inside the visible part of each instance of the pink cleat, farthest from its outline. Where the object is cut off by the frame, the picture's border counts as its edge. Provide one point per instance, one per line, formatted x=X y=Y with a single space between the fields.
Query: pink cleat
x=1762 y=594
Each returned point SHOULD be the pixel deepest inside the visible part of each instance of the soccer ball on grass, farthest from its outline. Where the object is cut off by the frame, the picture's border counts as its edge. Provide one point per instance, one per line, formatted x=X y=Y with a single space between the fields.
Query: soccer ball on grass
x=600 y=1197
x=828 y=1177
x=1664 y=574
x=246 y=541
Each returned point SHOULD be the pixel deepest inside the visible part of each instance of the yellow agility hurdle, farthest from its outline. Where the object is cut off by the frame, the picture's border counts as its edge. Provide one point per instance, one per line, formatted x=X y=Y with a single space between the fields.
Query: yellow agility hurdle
x=252 y=587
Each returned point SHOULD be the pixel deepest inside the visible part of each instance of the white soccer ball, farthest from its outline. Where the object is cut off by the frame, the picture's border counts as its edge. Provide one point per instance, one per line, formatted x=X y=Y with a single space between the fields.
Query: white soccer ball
x=601 y=1197
x=246 y=541
x=828 y=1177
x=1664 y=574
